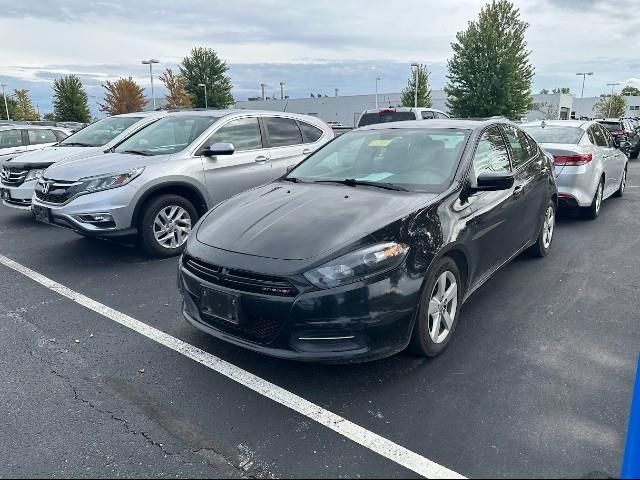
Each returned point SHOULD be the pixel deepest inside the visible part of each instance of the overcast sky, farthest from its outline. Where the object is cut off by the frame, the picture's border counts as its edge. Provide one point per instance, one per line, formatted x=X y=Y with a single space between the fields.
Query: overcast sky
x=314 y=46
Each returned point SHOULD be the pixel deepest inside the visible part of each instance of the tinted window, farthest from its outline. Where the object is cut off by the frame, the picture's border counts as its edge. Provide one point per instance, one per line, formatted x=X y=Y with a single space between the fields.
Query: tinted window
x=599 y=135
x=10 y=138
x=520 y=148
x=612 y=126
x=38 y=137
x=441 y=115
x=384 y=117
x=491 y=155
x=591 y=135
x=311 y=133
x=283 y=132
x=608 y=137
x=554 y=134
x=427 y=115
x=417 y=159
x=244 y=133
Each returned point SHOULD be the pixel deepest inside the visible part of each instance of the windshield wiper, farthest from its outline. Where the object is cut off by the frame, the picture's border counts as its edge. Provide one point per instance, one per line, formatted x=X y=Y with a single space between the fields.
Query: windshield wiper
x=75 y=144
x=292 y=179
x=352 y=182
x=138 y=152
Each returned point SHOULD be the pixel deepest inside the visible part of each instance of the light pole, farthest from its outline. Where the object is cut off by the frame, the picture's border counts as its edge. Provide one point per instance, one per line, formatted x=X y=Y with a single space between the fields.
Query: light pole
x=6 y=108
x=150 y=62
x=262 y=86
x=377 y=80
x=206 y=103
x=584 y=76
x=612 y=85
x=415 y=100
x=281 y=90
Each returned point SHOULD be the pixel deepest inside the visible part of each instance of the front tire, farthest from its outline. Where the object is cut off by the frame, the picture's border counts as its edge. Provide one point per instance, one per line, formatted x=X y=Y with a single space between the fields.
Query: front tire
x=438 y=311
x=165 y=225
x=545 y=237
x=592 y=212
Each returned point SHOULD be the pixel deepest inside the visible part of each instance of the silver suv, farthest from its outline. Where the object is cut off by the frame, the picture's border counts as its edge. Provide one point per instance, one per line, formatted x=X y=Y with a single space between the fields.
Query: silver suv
x=158 y=182
x=19 y=175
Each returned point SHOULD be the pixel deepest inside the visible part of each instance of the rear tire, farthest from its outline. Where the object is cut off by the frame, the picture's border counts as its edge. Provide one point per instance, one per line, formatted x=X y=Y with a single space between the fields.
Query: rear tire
x=165 y=224
x=545 y=237
x=592 y=212
x=438 y=311
x=623 y=184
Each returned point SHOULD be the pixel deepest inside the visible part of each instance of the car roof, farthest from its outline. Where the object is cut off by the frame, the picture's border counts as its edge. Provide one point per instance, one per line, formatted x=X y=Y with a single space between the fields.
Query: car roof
x=147 y=113
x=617 y=120
x=242 y=112
x=30 y=127
x=583 y=124
x=438 y=123
x=403 y=109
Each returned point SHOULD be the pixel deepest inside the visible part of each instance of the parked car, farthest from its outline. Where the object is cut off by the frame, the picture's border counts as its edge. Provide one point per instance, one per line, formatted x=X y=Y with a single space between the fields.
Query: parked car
x=18 y=139
x=588 y=166
x=19 y=176
x=372 y=244
x=157 y=183
x=622 y=131
x=397 y=114
x=73 y=126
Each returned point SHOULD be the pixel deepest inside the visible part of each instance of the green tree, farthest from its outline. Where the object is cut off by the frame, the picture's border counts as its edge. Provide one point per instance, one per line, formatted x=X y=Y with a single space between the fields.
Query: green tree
x=610 y=106
x=563 y=90
x=123 y=96
x=407 y=96
x=11 y=105
x=630 y=91
x=544 y=91
x=70 y=101
x=176 y=97
x=490 y=73
x=203 y=66
x=24 y=108
x=49 y=117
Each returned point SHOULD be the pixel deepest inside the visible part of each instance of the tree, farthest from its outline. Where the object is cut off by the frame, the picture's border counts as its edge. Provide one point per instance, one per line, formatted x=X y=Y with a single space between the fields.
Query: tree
x=563 y=90
x=49 y=117
x=123 y=96
x=70 y=101
x=490 y=73
x=630 y=91
x=544 y=91
x=424 y=92
x=11 y=105
x=175 y=84
x=24 y=108
x=203 y=66
x=610 y=106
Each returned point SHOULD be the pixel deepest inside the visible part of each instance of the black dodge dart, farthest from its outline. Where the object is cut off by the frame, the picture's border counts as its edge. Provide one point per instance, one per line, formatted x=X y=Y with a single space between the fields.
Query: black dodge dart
x=372 y=244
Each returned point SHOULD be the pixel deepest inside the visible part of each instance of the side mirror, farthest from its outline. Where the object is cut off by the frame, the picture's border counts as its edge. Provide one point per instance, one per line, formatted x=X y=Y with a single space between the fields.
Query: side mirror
x=493 y=183
x=217 y=149
x=290 y=167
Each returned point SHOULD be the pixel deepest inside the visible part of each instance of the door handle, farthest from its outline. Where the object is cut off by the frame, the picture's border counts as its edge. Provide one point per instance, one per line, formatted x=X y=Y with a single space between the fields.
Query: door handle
x=605 y=157
x=307 y=151
x=518 y=190
x=261 y=159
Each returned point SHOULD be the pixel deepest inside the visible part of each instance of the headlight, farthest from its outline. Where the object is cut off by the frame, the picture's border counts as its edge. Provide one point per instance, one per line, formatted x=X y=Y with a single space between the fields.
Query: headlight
x=359 y=264
x=105 y=182
x=33 y=175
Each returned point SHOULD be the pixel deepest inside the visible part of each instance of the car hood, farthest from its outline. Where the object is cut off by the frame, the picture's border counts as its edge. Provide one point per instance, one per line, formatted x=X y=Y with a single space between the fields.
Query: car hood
x=50 y=155
x=303 y=221
x=100 y=165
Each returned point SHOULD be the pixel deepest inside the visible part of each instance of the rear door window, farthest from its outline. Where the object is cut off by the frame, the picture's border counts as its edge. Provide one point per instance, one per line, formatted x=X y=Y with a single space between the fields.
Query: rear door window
x=244 y=133
x=601 y=139
x=39 y=137
x=309 y=132
x=283 y=131
x=10 y=138
x=427 y=115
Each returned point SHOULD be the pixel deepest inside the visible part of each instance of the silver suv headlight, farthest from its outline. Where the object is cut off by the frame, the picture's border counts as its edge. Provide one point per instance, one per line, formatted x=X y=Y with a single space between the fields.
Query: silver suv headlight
x=357 y=265
x=106 y=182
x=34 y=175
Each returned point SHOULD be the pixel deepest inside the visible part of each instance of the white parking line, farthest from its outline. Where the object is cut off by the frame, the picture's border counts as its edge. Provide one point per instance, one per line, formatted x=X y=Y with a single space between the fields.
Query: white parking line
x=374 y=442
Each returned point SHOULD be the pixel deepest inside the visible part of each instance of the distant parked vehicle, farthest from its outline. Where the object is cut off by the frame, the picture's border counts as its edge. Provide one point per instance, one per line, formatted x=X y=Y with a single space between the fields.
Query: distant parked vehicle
x=157 y=183
x=73 y=126
x=398 y=114
x=588 y=166
x=18 y=139
x=621 y=131
x=19 y=175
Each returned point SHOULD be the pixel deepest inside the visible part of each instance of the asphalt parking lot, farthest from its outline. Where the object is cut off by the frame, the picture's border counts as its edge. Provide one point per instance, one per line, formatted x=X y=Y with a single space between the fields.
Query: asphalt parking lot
x=537 y=381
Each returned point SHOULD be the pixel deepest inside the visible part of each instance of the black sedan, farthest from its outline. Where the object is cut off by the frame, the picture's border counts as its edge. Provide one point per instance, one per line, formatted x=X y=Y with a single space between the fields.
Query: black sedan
x=372 y=244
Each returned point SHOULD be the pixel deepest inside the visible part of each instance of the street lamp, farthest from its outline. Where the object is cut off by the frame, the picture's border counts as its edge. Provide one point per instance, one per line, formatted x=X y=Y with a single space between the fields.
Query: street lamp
x=281 y=90
x=415 y=101
x=584 y=76
x=377 y=80
x=206 y=104
x=612 y=85
x=150 y=62
x=6 y=108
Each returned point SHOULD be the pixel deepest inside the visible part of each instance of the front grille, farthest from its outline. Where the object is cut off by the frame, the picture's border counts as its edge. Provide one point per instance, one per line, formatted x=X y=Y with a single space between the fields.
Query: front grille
x=59 y=191
x=13 y=176
x=240 y=280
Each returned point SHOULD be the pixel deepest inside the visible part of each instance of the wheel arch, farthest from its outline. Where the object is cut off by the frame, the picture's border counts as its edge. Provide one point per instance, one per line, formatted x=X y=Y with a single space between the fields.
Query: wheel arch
x=182 y=189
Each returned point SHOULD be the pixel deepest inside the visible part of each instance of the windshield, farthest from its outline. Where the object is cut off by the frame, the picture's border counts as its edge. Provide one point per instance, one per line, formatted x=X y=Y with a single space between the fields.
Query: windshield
x=169 y=135
x=554 y=134
x=612 y=126
x=383 y=117
x=422 y=160
x=100 y=133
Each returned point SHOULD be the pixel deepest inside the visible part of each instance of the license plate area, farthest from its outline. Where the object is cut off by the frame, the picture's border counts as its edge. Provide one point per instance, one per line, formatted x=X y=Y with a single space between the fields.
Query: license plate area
x=42 y=214
x=221 y=305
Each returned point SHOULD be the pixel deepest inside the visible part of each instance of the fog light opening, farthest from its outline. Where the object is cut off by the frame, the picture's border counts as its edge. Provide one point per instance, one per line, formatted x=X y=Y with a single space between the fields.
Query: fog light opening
x=96 y=218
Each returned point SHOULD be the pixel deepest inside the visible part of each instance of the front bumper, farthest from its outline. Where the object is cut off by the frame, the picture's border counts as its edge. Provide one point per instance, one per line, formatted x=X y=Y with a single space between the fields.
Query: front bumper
x=116 y=202
x=19 y=196
x=577 y=185
x=359 y=322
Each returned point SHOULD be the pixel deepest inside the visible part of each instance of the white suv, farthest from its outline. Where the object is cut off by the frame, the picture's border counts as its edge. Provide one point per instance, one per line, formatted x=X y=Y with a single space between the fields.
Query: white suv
x=399 y=114
x=18 y=139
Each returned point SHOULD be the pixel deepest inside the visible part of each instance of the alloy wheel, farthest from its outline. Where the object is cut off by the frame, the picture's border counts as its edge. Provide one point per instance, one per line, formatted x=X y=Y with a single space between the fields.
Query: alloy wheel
x=172 y=226
x=623 y=184
x=548 y=227
x=442 y=307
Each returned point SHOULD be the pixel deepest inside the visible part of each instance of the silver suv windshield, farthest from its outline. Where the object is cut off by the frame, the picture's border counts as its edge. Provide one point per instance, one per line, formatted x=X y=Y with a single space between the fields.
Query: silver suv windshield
x=100 y=133
x=422 y=160
x=166 y=136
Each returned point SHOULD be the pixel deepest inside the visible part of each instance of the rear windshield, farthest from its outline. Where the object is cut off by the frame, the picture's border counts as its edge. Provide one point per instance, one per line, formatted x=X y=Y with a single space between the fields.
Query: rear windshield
x=384 y=117
x=554 y=134
x=612 y=126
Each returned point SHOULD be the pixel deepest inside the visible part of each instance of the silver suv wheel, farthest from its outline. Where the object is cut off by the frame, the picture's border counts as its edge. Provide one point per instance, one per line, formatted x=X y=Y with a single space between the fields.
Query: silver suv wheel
x=172 y=226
